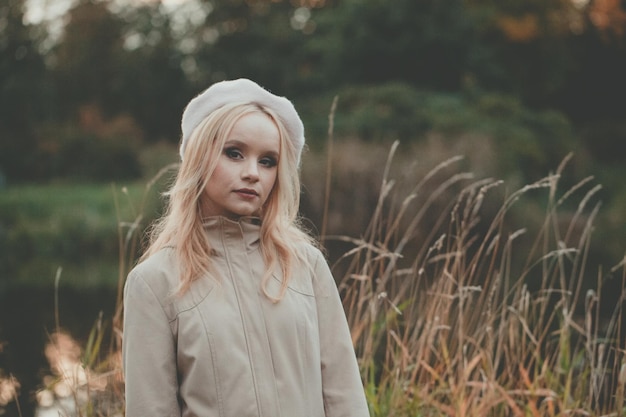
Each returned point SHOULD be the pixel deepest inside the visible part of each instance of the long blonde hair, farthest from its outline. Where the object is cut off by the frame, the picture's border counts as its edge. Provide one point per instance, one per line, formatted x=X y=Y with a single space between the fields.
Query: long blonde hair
x=181 y=227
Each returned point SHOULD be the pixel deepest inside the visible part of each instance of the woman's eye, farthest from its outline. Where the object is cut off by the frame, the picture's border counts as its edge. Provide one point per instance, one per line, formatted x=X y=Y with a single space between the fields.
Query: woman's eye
x=268 y=162
x=233 y=153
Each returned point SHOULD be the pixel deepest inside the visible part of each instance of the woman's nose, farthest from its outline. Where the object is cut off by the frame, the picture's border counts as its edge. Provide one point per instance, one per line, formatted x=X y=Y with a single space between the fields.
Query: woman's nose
x=250 y=171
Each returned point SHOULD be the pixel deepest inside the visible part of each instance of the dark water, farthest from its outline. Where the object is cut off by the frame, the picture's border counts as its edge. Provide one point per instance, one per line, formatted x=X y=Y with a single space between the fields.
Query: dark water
x=27 y=318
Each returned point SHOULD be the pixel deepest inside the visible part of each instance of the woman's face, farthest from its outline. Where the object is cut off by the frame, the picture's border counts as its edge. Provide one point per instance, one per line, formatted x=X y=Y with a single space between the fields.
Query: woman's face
x=246 y=169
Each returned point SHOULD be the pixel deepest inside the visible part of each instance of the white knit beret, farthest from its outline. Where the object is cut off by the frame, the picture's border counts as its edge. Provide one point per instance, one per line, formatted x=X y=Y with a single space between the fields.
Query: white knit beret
x=241 y=91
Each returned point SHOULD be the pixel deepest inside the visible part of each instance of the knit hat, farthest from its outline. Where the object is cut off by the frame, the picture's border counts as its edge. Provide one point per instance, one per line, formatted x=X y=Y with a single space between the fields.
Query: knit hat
x=244 y=91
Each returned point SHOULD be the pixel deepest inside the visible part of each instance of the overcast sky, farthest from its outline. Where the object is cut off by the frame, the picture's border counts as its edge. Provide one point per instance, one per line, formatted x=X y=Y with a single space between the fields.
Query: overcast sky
x=39 y=10
x=184 y=13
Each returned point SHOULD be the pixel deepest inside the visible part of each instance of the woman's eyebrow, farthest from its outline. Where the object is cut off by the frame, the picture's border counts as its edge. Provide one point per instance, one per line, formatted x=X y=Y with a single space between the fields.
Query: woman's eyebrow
x=273 y=154
x=235 y=142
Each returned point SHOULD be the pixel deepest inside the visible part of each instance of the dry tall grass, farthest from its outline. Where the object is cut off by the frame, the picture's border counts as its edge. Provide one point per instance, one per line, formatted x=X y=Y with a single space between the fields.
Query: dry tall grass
x=445 y=326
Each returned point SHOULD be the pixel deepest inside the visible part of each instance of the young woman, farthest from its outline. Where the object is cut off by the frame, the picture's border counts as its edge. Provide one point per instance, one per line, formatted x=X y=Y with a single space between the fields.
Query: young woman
x=233 y=311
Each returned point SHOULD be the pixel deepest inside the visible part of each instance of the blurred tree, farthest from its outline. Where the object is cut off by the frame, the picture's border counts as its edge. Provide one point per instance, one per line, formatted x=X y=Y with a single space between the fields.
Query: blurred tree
x=609 y=17
x=22 y=88
x=596 y=91
x=562 y=54
x=141 y=62
x=259 y=39
x=154 y=87
x=87 y=58
x=423 y=42
x=524 y=47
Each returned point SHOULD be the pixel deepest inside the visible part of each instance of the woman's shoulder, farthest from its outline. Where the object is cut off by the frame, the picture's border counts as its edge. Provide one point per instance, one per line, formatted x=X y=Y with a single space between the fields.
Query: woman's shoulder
x=310 y=250
x=158 y=271
x=160 y=261
x=157 y=276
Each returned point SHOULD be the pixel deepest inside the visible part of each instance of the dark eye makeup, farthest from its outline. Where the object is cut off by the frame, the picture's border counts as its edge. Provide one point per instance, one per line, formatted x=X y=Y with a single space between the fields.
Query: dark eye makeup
x=269 y=161
x=235 y=153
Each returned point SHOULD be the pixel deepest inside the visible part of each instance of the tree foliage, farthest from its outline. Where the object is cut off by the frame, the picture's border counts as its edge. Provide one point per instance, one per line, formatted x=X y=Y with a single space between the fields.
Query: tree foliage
x=22 y=89
x=154 y=88
x=422 y=42
x=143 y=62
x=88 y=57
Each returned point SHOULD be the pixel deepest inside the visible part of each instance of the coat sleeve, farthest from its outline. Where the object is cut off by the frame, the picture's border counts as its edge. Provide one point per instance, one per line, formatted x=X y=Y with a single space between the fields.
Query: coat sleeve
x=149 y=357
x=342 y=387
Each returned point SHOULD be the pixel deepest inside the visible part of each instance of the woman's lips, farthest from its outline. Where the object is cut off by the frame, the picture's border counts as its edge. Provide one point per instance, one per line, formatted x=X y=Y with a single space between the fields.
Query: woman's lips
x=247 y=193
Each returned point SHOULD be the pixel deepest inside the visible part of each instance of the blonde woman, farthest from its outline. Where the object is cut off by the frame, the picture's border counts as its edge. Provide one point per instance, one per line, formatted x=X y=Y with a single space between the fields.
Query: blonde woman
x=232 y=311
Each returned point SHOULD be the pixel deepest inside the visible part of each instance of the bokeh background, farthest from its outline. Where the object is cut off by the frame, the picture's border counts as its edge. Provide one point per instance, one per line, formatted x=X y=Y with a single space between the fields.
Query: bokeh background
x=91 y=94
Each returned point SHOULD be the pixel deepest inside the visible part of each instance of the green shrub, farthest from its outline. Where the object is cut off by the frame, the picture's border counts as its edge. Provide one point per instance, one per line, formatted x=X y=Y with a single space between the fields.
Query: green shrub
x=85 y=156
x=370 y=113
x=527 y=142
x=74 y=226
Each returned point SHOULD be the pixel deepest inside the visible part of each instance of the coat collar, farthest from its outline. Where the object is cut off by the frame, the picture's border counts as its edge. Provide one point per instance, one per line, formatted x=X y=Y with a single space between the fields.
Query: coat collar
x=223 y=231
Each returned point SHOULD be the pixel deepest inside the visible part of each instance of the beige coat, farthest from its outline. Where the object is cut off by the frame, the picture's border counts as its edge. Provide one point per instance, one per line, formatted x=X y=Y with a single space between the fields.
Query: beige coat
x=226 y=350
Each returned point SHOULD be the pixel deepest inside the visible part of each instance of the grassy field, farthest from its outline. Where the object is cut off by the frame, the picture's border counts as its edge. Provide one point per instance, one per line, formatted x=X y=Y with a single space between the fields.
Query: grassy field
x=72 y=226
